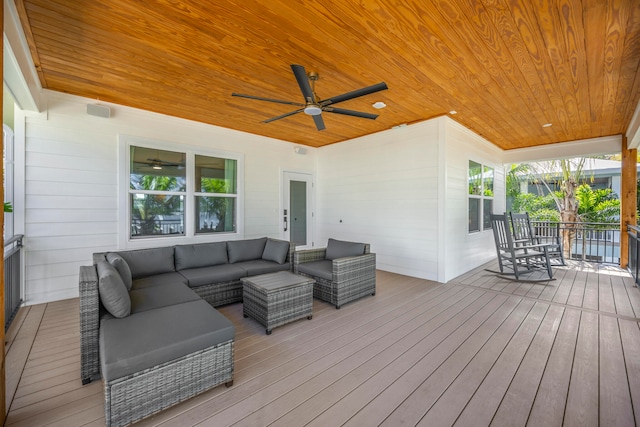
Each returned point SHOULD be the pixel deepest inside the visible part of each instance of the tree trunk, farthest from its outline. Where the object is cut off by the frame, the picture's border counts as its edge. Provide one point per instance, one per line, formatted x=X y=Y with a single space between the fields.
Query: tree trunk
x=568 y=215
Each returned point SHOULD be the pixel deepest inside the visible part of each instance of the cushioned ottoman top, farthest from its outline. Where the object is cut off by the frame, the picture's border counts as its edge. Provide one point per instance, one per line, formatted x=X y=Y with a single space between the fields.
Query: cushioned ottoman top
x=149 y=338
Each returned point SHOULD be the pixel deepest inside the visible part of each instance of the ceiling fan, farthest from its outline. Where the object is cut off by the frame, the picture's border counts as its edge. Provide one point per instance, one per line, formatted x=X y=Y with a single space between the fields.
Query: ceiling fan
x=155 y=163
x=313 y=105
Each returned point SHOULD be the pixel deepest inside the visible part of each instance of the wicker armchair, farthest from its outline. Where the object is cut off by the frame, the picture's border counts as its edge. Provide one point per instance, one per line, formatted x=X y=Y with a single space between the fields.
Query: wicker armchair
x=348 y=278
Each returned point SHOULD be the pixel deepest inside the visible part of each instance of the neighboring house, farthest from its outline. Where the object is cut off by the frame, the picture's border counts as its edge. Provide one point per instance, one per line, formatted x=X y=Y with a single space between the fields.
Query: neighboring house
x=598 y=173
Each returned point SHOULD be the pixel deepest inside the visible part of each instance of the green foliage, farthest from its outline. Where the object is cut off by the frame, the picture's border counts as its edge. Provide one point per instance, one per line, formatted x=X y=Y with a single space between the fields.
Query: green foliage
x=8 y=207
x=601 y=205
x=545 y=214
x=529 y=202
x=148 y=208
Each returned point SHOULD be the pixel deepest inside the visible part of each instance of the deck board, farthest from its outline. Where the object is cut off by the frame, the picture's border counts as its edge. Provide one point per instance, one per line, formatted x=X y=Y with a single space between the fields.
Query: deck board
x=479 y=350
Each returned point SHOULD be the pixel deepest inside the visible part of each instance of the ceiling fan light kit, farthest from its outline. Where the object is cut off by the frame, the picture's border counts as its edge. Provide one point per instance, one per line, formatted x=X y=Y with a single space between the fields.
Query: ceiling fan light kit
x=314 y=106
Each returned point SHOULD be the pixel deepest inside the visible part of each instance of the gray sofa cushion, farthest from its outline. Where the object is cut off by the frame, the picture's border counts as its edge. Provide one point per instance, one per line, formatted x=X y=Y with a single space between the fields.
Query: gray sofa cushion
x=245 y=250
x=112 y=290
x=261 y=266
x=153 y=337
x=200 y=255
x=340 y=249
x=147 y=262
x=150 y=298
x=123 y=268
x=322 y=268
x=217 y=274
x=173 y=278
x=276 y=251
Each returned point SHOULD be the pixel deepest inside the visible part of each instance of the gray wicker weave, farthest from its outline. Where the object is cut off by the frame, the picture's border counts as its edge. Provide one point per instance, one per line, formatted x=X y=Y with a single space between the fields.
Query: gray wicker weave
x=277 y=298
x=134 y=397
x=139 y=395
x=353 y=277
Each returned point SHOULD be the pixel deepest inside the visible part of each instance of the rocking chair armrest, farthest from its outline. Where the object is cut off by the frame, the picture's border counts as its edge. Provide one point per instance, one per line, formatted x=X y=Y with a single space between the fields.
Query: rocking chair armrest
x=536 y=246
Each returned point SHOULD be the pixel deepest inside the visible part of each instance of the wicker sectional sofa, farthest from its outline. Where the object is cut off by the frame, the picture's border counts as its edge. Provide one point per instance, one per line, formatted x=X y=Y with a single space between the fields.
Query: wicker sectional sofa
x=148 y=326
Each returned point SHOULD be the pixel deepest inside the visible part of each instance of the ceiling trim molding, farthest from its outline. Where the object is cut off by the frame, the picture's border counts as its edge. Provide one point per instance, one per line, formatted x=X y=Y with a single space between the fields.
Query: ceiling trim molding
x=20 y=74
x=633 y=131
x=580 y=148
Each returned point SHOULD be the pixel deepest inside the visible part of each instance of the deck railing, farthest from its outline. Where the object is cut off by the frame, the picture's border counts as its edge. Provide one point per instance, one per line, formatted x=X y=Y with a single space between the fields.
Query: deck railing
x=12 y=269
x=634 y=251
x=590 y=241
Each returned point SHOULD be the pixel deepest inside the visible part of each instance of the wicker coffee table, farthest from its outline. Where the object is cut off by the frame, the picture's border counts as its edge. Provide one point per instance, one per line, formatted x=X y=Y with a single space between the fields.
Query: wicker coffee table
x=277 y=298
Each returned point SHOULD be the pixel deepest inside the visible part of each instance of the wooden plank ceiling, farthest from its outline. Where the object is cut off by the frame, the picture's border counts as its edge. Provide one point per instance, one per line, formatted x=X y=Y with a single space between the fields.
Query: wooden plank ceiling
x=506 y=66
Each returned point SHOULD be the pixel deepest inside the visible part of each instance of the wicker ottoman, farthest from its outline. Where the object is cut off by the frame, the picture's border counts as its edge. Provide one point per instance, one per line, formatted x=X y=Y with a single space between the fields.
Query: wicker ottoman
x=277 y=298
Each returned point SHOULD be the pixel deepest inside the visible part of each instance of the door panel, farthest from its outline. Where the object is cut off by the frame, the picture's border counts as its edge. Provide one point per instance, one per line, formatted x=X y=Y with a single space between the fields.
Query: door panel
x=297 y=215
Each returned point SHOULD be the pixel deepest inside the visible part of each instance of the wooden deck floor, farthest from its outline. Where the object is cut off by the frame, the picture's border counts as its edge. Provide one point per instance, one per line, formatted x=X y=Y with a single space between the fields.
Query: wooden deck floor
x=477 y=351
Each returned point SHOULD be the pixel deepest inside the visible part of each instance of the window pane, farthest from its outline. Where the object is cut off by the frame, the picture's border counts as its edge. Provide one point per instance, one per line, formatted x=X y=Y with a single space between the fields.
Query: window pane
x=215 y=175
x=475 y=178
x=158 y=170
x=474 y=214
x=488 y=181
x=486 y=214
x=215 y=214
x=156 y=215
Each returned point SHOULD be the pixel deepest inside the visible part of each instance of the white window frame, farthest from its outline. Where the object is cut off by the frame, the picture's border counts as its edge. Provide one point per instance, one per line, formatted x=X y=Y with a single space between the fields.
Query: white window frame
x=190 y=236
x=481 y=197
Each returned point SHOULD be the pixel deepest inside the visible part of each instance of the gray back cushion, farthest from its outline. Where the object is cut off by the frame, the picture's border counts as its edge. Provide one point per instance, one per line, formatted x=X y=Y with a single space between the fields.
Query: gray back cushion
x=147 y=262
x=200 y=255
x=276 y=251
x=113 y=292
x=340 y=249
x=245 y=250
x=122 y=267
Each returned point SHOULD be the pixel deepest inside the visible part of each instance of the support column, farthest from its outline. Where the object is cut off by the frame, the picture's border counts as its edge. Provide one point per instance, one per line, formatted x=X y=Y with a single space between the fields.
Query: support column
x=628 y=198
x=3 y=406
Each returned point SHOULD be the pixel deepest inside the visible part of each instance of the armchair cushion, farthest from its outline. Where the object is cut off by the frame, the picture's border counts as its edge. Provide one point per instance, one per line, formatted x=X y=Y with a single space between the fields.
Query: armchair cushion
x=245 y=250
x=147 y=262
x=276 y=251
x=341 y=249
x=200 y=255
x=323 y=269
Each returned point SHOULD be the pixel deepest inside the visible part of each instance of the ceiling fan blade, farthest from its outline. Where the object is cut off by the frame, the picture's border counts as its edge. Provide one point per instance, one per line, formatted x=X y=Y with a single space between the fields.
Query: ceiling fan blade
x=355 y=94
x=303 y=82
x=282 y=116
x=259 y=98
x=350 y=113
x=319 y=122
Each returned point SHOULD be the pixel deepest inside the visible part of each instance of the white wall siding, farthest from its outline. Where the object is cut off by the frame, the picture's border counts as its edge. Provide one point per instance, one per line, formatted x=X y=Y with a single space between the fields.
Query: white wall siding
x=71 y=190
x=383 y=187
x=463 y=251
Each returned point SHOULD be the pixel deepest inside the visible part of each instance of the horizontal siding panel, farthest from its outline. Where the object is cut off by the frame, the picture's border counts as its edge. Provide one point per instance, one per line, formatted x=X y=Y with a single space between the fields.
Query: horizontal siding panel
x=52 y=289
x=50 y=216
x=70 y=189
x=70 y=202
x=81 y=255
x=71 y=242
x=72 y=162
x=79 y=149
x=70 y=229
x=52 y=271
x=39 y=173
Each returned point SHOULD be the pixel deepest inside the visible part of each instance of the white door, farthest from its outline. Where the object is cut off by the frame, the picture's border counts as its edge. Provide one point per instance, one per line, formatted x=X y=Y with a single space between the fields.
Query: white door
x=297 y=211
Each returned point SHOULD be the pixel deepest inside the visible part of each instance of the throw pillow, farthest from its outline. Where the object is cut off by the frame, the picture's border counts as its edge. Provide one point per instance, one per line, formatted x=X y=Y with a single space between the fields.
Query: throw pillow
x=113 y=292
x=245 y=250
x=122 y=267
x=340 y=249
x=276 y=251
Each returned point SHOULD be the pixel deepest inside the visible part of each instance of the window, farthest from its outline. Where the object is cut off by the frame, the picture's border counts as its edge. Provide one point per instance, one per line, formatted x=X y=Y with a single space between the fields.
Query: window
x=180 y=193
x=480 y=196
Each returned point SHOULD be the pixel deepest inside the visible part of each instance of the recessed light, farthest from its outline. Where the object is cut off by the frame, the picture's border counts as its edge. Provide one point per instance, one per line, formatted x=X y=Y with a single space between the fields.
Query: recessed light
x=547 y=125
x=379 y=105
x=453 y=112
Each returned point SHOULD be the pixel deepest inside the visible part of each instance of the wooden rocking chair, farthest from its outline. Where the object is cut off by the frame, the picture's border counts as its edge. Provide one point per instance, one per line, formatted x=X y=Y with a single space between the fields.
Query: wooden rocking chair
x=524 y=233
x=518 y=259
